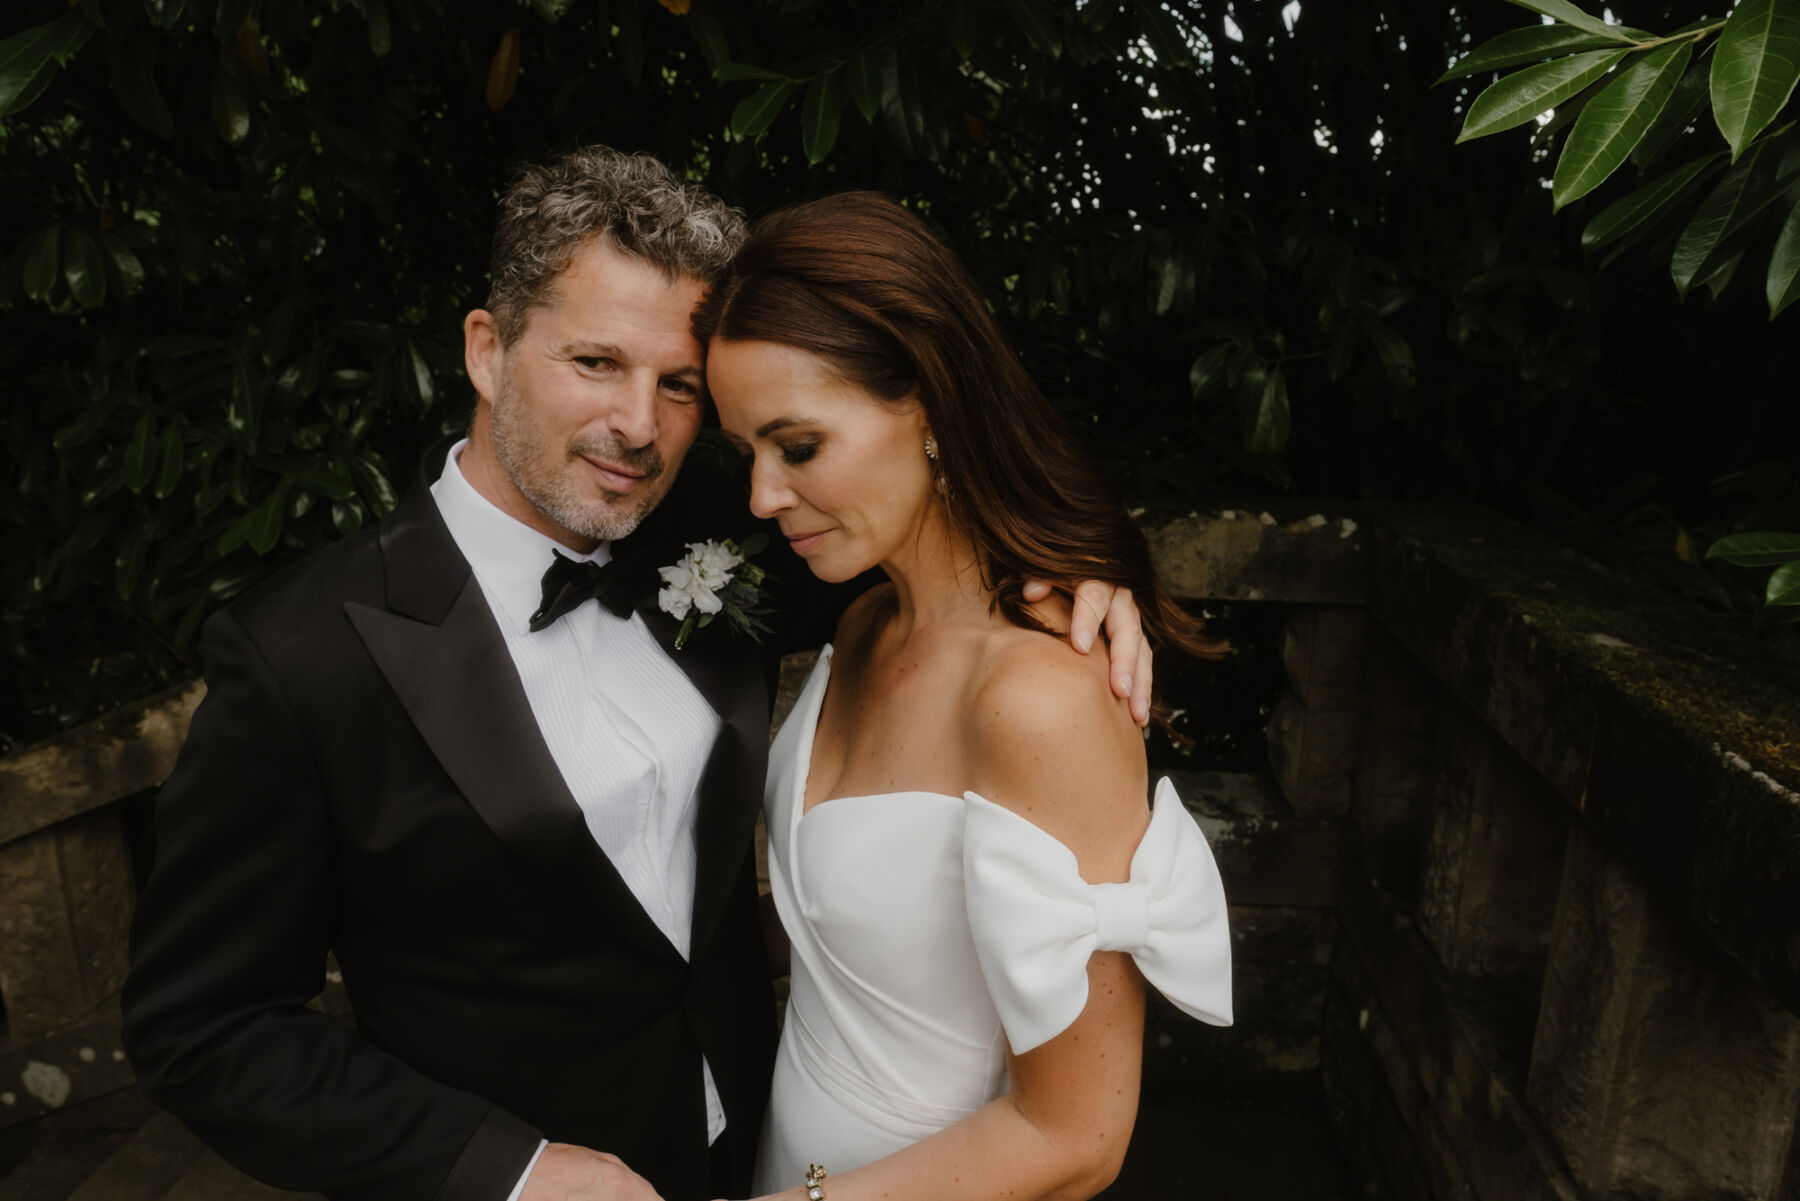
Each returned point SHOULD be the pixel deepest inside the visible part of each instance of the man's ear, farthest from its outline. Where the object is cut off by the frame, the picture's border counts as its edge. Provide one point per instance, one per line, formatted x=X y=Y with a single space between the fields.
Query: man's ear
x=484 y=356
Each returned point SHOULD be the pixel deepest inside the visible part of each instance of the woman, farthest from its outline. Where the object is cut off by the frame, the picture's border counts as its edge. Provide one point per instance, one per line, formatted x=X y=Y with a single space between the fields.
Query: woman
x=966 y=1015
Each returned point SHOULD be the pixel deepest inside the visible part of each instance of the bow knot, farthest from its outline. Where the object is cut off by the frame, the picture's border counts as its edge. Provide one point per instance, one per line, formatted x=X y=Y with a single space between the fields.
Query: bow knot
x=569 y=583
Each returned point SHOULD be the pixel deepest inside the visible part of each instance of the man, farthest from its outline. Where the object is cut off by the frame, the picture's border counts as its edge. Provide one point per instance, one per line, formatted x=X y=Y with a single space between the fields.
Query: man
x=522 y=823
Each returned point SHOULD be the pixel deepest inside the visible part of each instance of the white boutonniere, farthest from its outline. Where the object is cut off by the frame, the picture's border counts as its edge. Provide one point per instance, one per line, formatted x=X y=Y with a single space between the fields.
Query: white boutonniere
x=714 y=577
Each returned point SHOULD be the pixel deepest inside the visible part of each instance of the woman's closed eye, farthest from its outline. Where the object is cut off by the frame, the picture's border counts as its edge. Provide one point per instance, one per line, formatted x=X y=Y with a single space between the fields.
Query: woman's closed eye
x=796 y=453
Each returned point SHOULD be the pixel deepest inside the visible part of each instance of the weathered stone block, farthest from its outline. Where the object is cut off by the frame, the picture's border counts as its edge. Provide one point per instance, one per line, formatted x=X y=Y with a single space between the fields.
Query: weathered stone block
x=1396 y=765
x=1660 y=1068
x=1322 y=653
x=63 y=929
x=1313 y=755
x=1267 y=854
x=1493 y=858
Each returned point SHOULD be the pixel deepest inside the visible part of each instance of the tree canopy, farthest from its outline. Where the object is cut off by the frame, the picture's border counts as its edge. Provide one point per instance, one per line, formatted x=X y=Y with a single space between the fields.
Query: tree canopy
x=1232 y=240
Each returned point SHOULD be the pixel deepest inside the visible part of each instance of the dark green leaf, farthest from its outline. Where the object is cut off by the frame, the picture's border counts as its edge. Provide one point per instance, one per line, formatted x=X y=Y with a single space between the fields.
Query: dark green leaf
x=1613 y=122
x=374 y=484
x=1568 y=14
x=1783 y=286
x=140 y=457
x=863 y=75
x=244 y=411
x=170 y=474
x=230 y=107
x=128 y=565
x=1519 y=47
x=1647 y=203
x=130 y=271
x=87 y=425
x=41 y=260
x=423 y=387
x=1270 y=433
x=22 y=56
x=757 y=111
x=1784 y=585
x=819 y=115
x=1521 y=96
x=960 y=26
x=381 y=33
x=1710 y=239
x=1038 y=23
x=1756 y=550
x=327 y=477
x=1754 y=68
x=1396 y=355
x=1684 y=107
x=709 y=34
x=84 y=267
x=1208 y=371
x=745 y=73
x=130 y=63
x=265 y=527
x=630 y=15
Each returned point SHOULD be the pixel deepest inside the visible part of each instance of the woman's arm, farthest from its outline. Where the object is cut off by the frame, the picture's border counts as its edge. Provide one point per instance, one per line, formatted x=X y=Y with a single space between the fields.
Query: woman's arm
x=1053 y=744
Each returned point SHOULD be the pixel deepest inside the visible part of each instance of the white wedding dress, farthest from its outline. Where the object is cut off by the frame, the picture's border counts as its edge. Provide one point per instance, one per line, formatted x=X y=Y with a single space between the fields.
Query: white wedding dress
x=930 y=932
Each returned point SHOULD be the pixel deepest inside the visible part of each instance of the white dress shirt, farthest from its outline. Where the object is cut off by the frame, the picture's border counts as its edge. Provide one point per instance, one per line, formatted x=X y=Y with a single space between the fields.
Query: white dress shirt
x=627 y=730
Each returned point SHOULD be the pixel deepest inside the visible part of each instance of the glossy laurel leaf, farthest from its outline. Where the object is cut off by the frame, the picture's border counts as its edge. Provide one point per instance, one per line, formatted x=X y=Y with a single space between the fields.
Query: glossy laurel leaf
x=1568 y=14
x=757 y=111
x=1783 y=286
x=1629 y=213
x=1756 y=549
x=1755 y=68
x=1520 y=47
x=1521 y=96
x=1613 y=122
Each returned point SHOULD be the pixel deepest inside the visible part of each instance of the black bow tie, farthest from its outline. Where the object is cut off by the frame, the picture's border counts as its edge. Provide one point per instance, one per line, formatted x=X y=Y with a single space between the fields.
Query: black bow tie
x=570 y=583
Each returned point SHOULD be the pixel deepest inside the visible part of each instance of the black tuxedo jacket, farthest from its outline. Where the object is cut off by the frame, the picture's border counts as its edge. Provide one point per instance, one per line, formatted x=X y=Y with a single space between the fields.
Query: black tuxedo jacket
x=365 y=777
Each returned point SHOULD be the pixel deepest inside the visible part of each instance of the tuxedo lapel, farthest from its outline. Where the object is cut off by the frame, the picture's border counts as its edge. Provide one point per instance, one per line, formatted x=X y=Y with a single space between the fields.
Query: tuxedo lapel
x=439 y=648
x=724 y=667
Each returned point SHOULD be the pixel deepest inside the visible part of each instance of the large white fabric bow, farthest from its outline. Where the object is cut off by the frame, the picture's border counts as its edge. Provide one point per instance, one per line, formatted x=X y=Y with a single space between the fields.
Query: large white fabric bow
x=1036 y=922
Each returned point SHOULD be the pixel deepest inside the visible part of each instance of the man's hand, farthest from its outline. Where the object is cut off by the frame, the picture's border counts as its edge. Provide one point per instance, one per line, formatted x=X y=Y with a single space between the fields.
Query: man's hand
x=1098 y=604
x=567 y=1173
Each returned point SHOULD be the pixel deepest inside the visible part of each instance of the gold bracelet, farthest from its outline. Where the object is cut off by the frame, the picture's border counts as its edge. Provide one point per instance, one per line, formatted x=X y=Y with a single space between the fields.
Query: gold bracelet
x=815 y=1183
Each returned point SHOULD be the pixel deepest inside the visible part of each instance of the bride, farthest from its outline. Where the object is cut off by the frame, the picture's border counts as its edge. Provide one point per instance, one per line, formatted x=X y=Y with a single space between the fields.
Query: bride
x=960 y=852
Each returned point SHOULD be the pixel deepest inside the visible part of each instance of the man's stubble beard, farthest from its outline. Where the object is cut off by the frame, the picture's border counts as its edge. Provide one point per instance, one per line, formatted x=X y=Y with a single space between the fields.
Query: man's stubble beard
x=537 y=468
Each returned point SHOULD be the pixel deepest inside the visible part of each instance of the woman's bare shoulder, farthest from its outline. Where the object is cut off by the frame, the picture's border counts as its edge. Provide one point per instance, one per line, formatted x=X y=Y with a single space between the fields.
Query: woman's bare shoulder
x=1050 y=741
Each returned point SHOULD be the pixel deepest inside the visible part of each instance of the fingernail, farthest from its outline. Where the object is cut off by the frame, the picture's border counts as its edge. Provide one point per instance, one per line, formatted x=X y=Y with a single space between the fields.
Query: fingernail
x=1128 y=683
x=1084 y=641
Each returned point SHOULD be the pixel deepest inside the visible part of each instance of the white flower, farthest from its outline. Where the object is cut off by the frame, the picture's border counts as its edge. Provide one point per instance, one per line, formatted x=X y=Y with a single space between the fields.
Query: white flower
x=696 y=581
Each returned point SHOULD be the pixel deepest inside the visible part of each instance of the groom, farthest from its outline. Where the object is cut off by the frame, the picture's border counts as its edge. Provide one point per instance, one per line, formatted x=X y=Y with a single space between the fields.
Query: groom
x=522 y=823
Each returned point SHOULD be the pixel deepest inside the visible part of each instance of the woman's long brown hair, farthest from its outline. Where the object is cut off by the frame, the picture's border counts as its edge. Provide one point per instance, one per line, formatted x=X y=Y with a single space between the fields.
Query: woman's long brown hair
x=861 y=282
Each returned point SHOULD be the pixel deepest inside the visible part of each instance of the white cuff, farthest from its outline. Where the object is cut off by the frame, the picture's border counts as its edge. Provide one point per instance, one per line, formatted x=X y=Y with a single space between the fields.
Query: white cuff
x=526 y=1174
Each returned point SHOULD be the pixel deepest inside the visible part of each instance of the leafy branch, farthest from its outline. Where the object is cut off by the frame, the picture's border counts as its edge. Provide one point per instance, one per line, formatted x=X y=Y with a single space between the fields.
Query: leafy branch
x=1637 y=96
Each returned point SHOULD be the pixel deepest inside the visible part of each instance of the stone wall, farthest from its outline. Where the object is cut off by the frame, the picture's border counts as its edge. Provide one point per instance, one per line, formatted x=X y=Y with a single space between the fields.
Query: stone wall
x=1567 y=951
x=1520 y=889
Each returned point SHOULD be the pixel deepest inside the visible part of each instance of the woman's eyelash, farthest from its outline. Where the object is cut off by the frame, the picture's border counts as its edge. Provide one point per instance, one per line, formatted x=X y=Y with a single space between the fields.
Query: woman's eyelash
x=798 y=452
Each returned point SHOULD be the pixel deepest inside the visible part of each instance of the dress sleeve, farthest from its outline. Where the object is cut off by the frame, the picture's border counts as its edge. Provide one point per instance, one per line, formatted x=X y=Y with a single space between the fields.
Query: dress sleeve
x=1036 y=922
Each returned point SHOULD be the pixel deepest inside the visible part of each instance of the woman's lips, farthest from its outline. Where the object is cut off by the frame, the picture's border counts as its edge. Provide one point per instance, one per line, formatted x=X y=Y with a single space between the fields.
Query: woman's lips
x=805 y=542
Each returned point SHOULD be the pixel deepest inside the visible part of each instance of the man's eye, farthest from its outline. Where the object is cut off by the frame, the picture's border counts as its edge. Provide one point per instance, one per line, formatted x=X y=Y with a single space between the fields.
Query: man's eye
x=592 y=362
x=680 y=387
x=798 y=452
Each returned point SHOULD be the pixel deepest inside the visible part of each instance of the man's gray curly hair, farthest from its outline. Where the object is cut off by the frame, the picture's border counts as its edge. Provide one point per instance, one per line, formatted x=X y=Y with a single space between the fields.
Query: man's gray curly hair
x=632 y=201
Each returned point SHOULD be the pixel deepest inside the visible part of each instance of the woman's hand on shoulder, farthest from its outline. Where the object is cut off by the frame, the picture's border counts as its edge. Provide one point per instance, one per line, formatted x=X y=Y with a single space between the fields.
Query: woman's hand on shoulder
x=1050 y=741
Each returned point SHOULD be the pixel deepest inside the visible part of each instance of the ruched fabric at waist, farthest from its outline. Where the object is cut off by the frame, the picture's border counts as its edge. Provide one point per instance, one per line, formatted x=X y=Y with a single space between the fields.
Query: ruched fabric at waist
x=882 y=1107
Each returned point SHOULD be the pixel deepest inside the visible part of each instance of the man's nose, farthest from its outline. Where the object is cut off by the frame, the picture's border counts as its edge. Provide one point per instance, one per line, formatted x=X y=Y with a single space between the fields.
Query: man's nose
x=633 y=417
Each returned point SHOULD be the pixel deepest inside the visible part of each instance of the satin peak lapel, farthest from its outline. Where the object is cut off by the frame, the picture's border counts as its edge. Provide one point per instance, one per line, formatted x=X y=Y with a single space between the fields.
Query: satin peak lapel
x=725 y=667
x=458 y=684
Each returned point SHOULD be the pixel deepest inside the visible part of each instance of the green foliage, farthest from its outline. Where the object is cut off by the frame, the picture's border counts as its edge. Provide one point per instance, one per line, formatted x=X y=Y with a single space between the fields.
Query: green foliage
x=1744 y=68
x=241 y=236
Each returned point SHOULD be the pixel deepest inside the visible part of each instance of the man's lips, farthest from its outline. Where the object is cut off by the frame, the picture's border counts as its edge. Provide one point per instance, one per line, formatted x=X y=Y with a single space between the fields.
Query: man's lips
x=619 y=479
x=804 y=542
